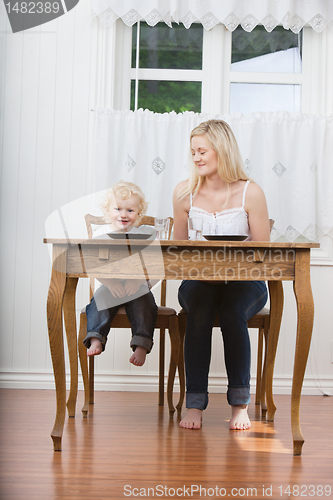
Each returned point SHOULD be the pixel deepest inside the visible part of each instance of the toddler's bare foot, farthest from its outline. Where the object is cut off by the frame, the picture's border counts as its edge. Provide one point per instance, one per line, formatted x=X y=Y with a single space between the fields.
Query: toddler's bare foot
x=139 y=356
x=239 y=418
x=192 y=419
x=95 y=347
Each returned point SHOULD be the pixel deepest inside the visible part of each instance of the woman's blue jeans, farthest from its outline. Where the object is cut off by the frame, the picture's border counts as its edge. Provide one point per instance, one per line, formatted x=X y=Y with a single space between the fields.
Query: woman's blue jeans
x=235 y=302
x=142 y=313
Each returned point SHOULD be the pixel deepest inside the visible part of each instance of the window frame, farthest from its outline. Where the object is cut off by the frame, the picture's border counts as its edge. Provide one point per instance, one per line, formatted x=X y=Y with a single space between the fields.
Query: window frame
x=113 y=72
x=215 y=78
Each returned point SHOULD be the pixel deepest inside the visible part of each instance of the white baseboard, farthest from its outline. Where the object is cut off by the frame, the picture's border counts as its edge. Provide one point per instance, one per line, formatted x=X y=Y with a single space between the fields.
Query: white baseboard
x=149 y=383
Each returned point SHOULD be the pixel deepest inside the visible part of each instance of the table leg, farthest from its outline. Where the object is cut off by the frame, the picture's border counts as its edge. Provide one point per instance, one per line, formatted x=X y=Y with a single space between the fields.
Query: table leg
x=54 y=322
x=305 y=313
x=276 y=309
x=70 y=326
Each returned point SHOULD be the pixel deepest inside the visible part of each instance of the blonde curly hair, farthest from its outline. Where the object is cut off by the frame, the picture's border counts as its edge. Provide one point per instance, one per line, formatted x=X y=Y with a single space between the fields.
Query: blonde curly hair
x=124 y=190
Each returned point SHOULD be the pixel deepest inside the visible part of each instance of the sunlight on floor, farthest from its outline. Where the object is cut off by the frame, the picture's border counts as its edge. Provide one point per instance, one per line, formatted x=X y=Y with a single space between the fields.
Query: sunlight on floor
x=262 y=444
x=261 y=437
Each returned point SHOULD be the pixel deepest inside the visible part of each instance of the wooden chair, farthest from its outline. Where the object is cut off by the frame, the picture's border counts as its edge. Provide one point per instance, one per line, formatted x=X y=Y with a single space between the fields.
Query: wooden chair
x=262 y=321
x=166 y=319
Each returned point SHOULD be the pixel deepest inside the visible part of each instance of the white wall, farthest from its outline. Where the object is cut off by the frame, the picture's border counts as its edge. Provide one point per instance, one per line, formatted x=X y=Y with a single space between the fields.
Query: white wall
x=47 y=93
x=45 y=75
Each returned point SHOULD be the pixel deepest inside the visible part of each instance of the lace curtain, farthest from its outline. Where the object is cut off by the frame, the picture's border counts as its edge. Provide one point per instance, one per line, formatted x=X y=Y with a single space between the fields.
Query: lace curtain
x=292 y=14
x=288 y=154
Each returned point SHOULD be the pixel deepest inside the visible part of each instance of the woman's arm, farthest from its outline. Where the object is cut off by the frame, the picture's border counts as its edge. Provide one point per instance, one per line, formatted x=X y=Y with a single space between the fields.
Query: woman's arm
x=180 y=213
x=256 y=207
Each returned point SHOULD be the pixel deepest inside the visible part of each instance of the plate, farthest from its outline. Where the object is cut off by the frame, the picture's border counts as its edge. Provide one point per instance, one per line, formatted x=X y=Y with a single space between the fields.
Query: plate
x=127 y=236
x=224 y=237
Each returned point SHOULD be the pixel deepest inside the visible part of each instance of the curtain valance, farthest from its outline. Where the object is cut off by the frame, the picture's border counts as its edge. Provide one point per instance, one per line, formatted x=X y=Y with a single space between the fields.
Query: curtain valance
x=288 y=154
x=292 y=14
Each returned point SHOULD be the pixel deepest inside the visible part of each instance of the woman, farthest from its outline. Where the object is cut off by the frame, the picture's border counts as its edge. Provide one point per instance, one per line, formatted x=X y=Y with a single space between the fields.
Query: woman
x=219 y=192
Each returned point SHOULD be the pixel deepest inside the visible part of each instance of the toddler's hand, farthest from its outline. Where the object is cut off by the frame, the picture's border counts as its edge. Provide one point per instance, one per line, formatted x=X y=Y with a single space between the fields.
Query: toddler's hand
x=116 y=288
x=132 y=286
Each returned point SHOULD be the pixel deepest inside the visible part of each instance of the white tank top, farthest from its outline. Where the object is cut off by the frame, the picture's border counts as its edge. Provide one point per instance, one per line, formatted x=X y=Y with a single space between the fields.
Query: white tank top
x=231 y=221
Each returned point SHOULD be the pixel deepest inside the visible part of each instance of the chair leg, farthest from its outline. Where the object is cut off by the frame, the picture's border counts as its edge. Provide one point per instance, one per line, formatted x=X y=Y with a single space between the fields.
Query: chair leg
x=259 y=366
x=161 y=368
x=91 y=379
x=84 y=362
x=71 y=334
x=174 y=338
x=263 y=378
x=182 y=319
x=276 y=300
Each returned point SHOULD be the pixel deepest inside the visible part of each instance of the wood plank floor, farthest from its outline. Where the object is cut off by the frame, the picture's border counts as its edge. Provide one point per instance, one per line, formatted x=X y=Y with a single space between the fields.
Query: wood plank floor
x=129 y=442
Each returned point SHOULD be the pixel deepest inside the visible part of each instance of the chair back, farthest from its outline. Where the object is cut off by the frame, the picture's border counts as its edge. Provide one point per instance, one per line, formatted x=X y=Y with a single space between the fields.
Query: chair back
x=146 y=220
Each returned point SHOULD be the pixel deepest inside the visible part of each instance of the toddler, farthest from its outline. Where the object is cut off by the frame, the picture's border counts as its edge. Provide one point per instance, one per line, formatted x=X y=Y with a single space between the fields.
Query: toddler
x=123 y=208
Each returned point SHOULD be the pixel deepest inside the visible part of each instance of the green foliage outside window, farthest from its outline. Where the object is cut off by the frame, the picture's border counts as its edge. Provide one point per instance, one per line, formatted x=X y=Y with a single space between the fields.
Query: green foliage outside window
x=168 y=48
x=259 y=42
x=164 y=97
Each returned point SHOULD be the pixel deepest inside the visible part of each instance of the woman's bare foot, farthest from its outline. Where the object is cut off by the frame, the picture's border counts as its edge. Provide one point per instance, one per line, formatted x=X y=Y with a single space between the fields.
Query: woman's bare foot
x=95 y=347
x=239 y=418
x=192 y=419
x=139 y=356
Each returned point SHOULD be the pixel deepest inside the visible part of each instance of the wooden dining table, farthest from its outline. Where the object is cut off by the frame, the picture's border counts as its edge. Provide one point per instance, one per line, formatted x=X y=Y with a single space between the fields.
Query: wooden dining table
x=177 y=260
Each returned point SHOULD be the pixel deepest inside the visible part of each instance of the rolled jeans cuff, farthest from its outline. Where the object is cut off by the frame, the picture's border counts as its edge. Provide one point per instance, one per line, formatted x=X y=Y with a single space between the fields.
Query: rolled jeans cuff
x=94 y=335
x=139 y=340
x=197 y=400
x=238 y=395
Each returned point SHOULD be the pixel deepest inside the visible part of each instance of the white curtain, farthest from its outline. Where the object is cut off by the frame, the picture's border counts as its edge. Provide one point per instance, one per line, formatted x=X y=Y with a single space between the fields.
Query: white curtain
x=292 y=14
x=288 y=154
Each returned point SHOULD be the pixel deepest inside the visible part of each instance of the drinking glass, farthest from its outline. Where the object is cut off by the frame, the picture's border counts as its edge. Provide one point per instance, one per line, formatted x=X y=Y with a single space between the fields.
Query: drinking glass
x=162 y=228
x=195 y=229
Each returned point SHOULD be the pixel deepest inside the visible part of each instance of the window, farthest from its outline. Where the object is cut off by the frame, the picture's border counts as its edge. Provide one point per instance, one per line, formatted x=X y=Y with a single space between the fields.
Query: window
x=215 y=71
x=166 y=69
x=265 y=70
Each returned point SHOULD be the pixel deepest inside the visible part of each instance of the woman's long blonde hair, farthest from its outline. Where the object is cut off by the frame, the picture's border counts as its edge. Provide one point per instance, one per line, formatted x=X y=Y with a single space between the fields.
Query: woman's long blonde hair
x=229 y=161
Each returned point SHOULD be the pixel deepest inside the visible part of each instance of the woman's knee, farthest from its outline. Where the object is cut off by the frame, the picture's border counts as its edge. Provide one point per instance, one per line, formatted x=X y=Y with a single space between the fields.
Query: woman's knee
x=197 y=295
x=244 y=301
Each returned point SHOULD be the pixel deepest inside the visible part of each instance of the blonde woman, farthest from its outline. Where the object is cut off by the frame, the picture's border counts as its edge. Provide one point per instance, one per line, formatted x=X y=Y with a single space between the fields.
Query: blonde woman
x=219 y=192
